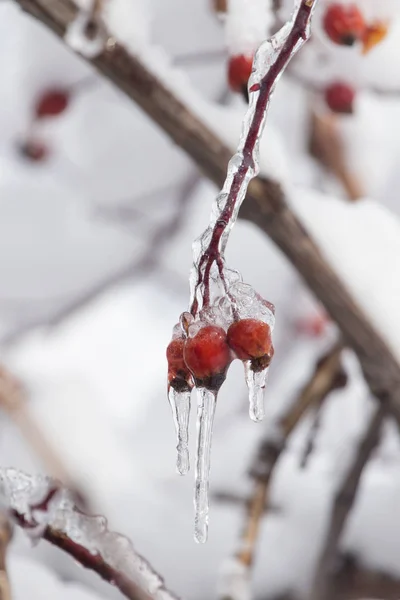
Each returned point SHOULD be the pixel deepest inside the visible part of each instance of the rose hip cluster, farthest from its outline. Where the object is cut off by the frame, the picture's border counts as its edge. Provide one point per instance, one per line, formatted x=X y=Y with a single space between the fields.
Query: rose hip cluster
x=202 y=350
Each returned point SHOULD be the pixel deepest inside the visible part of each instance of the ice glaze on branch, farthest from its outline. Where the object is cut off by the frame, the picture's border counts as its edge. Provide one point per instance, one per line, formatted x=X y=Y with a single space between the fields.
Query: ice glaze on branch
x=43 y=508
x=244 y=165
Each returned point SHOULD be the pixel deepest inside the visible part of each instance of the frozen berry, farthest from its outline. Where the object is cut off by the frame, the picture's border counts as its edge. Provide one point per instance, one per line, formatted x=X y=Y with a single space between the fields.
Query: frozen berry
x=178 y=374
x=374 y=34
x=344 y=24
x=340 y=97
x=239 y=71
x=250 y=339
x=208 y=356
x=52 y=103
x=34 y=150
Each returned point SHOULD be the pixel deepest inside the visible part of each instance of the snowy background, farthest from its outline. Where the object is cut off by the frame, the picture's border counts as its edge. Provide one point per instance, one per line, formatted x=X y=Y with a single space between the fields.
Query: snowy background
x=87 y=219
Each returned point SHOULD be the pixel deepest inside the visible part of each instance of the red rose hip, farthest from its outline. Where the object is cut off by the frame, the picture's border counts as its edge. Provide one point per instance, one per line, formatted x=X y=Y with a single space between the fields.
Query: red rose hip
x=178 y=374
x=207 y=355
x=239 y=71
x=250 y=339
x=344 y=24
x=52 y=103
x=340 y=98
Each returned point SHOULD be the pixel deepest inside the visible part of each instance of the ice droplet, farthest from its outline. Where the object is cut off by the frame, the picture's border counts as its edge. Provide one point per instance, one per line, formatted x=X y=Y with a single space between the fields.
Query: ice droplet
x=207 y=400
x=256 y=384
x=180 y=404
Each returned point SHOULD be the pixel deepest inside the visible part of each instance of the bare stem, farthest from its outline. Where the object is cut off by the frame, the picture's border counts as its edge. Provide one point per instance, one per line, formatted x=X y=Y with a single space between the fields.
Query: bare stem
x=327 y=374
x=323 y=588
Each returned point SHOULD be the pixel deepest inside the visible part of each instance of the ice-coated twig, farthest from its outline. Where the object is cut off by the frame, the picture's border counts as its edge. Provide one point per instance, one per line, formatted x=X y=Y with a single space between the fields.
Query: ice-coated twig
x=323 y=587
x=270 y=61
x=328 y=372
x=44 y=509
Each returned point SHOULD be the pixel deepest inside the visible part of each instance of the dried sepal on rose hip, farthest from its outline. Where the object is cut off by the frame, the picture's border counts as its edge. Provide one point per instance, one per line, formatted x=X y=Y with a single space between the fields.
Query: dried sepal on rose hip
x=250 y=339
x=344 y=24
x=208 y=356
x=374 y=34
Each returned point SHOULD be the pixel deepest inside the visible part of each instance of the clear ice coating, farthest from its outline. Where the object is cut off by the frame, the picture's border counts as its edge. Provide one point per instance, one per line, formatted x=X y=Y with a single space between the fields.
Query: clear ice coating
x=207 y=401
x=255 y=381
x=21 y=492
x=218 y=295
x=180 y=404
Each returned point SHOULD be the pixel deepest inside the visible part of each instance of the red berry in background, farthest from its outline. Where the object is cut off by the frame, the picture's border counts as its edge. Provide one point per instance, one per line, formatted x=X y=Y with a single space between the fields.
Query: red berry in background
x=52 y=103
x=340 y=97
x=344 y=24
x=250 y=339
x=314 y=326
x=178 y=373
x=207 y=355
x=34 y=150
x=239 y=71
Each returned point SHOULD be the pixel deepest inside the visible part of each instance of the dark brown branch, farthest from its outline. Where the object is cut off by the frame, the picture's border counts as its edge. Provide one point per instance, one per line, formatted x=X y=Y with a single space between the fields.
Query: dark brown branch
x=355 y=581
x=327 y=375
x=323 y=588
x=265 y=204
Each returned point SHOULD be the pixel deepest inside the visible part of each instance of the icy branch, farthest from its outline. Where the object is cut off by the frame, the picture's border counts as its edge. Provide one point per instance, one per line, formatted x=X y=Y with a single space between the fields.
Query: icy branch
x=44 y=509
x=327 y=376
x=323 y=587
x=270 y=61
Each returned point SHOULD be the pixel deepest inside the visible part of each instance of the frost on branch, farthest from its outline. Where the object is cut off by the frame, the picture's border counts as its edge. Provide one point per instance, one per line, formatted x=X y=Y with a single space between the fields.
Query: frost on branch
x=45 y=509
x=227 y=318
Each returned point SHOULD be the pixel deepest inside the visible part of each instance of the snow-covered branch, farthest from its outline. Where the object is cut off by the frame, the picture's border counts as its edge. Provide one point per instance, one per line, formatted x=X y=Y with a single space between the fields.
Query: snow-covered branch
x=323 y=588
x=327 y=376
x=44 y=509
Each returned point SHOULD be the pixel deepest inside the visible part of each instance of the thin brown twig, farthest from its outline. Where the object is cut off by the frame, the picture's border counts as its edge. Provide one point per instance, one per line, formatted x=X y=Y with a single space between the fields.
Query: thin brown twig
x=323 y=587
x=326 y=146
x=327 y=375
x=6 y=532
x=13 y=401
x=265 y=204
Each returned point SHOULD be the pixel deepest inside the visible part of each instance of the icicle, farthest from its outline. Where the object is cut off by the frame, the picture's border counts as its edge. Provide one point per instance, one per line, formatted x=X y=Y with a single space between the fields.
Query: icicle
x=207 y=400
x=256 y=384
x=180 y=404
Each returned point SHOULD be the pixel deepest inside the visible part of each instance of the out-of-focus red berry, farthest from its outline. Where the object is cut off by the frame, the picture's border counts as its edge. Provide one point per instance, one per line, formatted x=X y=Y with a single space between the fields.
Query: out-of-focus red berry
x=250 y=339
x=314 y=326
x=340 y=97
x=52 y=103
x=178 y=373
x=239 y=71
x=207 y=355
x=344 y=23
x=34 y=150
